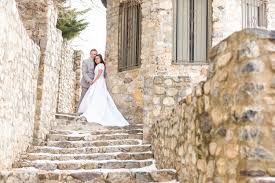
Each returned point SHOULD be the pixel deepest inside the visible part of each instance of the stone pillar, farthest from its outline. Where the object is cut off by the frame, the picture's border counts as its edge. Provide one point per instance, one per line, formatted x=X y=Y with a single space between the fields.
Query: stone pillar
x=65 y=102
x=78 y=75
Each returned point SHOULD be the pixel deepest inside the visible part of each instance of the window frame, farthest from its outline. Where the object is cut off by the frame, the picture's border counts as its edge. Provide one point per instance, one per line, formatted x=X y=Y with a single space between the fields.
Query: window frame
x=208 y=43
x=261 y=11
x=122 y=64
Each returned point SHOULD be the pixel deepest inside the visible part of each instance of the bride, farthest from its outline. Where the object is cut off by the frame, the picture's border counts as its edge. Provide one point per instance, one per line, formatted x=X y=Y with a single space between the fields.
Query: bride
x=97 y=105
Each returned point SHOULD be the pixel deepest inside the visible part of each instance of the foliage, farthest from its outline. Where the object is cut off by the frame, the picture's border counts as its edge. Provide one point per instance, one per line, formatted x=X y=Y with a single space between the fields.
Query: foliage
x=68 y=21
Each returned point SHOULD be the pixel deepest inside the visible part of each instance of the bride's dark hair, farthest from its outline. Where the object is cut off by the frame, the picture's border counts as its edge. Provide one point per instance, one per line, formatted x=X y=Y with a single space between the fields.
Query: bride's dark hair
x=101 y=61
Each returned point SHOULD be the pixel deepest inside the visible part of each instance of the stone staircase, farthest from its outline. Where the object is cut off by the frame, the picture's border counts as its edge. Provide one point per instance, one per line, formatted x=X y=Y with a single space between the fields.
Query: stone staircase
x=77 y=152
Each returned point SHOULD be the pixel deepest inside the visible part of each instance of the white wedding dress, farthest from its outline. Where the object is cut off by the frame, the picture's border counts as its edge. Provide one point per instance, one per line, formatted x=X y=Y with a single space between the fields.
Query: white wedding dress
x=98 y=106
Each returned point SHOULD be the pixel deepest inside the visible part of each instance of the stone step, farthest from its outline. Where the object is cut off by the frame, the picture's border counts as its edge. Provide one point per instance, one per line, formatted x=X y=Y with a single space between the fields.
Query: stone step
x=66 y=116
x=94 y=156
x=73 y=117
x=262 y=180
x=88 y=150
x=79 y=144
x=98 y=132
x=92 y=176
x=87 y=137
x=70 y=117
x=81 y=127
x=69 y=125
x=84 y=164
x=69 y=114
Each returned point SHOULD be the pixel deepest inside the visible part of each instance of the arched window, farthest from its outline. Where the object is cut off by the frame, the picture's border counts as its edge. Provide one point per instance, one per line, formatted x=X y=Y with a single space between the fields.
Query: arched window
x=191 y=40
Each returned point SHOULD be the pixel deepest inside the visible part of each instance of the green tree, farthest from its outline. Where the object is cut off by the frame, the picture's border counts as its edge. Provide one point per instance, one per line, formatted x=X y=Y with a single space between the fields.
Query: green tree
x=69 y=23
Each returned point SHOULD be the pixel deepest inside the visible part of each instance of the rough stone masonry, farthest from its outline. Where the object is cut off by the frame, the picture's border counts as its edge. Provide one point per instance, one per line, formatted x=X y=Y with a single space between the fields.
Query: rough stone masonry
x=30 y=62
x=19 y=59
x=224 y=131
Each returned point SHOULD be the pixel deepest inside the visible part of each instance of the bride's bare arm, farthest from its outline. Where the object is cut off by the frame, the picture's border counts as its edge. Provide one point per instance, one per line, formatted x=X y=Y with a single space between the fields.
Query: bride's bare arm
x=100 y=71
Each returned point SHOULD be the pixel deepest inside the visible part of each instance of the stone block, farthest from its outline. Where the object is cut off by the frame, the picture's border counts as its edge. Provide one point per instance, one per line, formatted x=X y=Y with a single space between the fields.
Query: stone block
x=223 y=60
x=232 y=151
x=168 y=101
x=172 y=92
x=212 y=148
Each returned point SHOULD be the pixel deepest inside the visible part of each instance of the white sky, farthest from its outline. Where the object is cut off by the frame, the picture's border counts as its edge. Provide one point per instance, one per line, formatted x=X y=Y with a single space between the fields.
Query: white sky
x=94 y=36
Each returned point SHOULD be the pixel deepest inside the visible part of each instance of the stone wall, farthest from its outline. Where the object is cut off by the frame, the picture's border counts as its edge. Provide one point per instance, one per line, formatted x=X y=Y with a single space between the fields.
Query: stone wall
x=224 y=131
x=31 y=60
x=226 y=18
x=161 y=94
x=178 y=140
x=67 y=77
x=19 y=59
x=271 y=15
x=49 y=67
x=39 y=18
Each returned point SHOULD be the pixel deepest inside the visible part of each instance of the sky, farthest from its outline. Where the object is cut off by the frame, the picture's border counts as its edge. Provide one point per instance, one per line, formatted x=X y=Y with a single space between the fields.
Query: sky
x=94 y=36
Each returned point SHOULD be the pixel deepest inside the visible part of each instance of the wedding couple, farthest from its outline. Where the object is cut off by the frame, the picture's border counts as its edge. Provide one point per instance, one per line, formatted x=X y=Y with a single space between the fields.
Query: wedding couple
x=96 y=104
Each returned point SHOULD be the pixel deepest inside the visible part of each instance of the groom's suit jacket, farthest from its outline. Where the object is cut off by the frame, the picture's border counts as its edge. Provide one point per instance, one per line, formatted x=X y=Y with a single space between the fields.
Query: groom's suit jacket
x=87 y=72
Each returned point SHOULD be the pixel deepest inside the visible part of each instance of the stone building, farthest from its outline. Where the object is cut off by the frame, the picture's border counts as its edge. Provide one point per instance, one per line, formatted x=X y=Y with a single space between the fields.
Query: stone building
x=158 y=50
x=201 y=87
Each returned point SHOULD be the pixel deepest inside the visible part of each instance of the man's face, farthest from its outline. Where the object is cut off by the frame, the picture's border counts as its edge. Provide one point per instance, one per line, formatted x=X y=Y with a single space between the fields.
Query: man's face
x=93 y=54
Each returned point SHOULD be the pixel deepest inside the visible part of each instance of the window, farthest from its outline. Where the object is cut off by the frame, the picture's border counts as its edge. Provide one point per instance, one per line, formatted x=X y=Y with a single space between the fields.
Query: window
x=254 y=13
x=129 y=35
x=191 y=31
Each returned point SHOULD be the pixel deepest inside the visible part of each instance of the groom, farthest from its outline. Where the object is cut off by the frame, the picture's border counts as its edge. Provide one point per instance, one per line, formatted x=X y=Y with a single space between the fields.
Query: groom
x=87 y=73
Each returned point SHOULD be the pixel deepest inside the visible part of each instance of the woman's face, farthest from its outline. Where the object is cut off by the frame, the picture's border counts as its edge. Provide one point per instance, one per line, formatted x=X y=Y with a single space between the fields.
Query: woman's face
x=97 y=60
